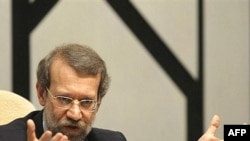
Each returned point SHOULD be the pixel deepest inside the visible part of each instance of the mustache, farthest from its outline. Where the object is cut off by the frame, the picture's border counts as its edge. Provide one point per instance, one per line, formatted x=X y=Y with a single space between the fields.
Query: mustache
x=73 y=123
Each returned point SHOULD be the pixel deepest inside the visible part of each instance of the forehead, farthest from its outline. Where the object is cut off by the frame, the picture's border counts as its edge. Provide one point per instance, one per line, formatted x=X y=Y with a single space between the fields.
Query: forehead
x=65 y=78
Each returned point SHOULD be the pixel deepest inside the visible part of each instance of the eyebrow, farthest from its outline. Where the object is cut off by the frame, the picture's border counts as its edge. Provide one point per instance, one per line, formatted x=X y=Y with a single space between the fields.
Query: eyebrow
x=84 y=98
x=81 y=96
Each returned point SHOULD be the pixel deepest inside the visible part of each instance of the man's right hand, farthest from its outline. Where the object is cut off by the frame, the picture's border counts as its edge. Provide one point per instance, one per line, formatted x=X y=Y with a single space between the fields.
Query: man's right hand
x=47 y=135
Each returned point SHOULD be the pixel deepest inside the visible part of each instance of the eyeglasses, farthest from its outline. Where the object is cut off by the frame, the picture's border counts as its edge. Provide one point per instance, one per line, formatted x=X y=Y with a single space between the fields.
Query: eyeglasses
x=66 y=102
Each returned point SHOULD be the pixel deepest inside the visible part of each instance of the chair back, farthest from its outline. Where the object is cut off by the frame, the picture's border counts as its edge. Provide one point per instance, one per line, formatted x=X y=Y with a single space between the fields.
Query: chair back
x=13 y=106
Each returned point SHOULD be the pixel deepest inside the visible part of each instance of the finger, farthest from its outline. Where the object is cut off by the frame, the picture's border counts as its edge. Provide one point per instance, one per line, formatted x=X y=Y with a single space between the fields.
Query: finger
x=47 y=135
x=213 y=125
x=31 y=134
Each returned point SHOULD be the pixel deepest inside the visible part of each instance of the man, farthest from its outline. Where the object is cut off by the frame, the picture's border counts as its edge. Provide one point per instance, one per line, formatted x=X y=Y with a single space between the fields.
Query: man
x=71 y=82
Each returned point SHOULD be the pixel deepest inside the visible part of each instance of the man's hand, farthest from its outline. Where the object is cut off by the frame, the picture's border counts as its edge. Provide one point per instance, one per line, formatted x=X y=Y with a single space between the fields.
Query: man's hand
x=209 y=135
x=47 y=135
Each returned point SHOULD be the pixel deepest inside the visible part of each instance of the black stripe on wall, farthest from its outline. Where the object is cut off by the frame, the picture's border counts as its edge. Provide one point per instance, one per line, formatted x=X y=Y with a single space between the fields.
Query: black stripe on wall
x=25 y=17
x=192 y=89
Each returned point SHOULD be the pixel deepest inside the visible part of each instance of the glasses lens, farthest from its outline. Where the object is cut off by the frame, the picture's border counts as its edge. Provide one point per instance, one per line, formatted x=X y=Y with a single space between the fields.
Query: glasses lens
x=63 y=101
x=88 y=105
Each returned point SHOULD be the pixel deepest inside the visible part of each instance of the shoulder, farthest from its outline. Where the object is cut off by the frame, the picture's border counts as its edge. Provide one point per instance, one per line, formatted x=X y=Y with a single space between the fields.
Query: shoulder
x=20 y=122
x=98 y=134
x=17 y=123
x=16 y=129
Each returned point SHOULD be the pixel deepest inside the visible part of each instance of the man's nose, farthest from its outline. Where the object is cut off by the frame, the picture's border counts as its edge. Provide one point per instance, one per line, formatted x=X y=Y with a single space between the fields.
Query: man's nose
x=74 y=112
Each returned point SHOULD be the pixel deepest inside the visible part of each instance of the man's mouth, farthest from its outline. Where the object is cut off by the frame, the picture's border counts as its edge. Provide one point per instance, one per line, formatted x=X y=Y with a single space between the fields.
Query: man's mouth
x=72 y=129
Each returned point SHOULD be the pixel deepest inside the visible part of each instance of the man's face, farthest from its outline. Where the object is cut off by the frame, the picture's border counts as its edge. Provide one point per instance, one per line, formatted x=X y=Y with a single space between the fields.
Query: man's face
x=74 y=122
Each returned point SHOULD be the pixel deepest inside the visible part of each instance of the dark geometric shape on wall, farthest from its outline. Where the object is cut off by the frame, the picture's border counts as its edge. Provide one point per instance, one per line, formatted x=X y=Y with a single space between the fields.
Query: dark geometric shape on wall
x=192 y=89
x=25 y=17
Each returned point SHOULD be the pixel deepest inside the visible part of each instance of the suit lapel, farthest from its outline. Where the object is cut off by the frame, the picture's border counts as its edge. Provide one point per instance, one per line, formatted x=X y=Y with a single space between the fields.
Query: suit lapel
x=38 y=119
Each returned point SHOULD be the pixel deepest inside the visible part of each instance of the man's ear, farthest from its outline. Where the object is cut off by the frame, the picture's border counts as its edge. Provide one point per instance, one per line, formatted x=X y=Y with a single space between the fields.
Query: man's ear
x=41 y=94
x=99 y=101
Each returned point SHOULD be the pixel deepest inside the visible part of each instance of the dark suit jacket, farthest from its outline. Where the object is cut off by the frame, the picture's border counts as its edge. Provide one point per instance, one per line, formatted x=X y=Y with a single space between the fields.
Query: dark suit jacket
x=16 y=130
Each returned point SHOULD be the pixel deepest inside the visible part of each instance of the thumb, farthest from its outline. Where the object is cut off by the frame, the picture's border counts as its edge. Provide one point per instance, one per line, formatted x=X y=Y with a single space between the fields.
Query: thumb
x=213 y=125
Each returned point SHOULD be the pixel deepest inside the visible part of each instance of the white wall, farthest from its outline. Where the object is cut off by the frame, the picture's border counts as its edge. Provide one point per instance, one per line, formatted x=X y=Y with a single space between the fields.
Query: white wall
x=143 y=102
x=5 y=47
x=227 y=61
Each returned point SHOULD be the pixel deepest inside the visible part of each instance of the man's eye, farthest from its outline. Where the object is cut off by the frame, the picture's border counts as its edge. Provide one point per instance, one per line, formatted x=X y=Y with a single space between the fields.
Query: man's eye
x=86 y=102
x=64 y=100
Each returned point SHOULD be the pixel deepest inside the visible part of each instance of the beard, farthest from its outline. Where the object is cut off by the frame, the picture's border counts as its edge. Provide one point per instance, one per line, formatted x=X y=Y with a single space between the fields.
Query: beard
x=74 y=130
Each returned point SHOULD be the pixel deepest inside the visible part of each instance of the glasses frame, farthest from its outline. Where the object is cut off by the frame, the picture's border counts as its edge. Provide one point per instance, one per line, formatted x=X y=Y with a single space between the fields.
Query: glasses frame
x=72 y=102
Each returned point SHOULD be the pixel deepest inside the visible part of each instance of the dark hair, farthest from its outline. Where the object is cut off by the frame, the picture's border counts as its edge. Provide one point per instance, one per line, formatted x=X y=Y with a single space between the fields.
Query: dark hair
x=81 y=58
